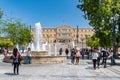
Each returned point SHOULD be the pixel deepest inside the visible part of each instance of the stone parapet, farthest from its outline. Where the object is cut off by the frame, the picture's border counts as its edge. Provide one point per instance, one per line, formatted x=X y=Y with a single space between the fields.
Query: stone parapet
x=44 y=59
x=37 y=53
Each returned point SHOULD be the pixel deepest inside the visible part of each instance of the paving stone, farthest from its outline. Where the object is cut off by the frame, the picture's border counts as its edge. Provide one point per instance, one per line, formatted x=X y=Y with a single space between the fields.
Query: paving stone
x=64 y=71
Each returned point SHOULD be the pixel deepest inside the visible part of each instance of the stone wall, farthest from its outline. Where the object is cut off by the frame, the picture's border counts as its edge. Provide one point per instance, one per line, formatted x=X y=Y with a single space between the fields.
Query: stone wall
x=41 y=59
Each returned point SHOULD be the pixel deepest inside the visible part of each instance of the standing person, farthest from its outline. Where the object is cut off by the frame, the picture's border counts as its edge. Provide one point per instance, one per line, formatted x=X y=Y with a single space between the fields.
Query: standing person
x=98 y=59
x=66 y=51
x=73 y=56
x=112 y=57
x=5 y=52
x=60 y=51
x=104 y=57
x=94 y=58
x=82 y=53
x=87 y=53
x=28 y=56
x=77 y=56
x=16 y=57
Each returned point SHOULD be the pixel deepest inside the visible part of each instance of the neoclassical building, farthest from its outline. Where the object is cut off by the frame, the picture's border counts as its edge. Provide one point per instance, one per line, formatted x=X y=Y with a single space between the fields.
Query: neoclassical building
x=66 y=34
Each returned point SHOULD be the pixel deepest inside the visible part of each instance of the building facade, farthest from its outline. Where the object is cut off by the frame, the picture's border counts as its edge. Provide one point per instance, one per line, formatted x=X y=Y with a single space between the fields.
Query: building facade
x=66 y=34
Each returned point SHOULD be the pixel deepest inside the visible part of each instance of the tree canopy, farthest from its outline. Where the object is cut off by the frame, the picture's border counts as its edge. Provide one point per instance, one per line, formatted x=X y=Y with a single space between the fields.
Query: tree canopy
x=15 y=31
x=1 y=13
x=18 y=32
x=6 y=43
x=93 y=42
x=99 y=14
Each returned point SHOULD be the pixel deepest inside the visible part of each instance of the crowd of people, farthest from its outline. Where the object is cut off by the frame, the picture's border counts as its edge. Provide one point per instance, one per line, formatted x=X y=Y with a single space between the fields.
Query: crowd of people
x=98 y=56
x=103 y=55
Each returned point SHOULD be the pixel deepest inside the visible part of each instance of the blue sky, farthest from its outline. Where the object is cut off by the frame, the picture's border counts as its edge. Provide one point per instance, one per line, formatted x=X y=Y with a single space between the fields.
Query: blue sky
x=50 y=13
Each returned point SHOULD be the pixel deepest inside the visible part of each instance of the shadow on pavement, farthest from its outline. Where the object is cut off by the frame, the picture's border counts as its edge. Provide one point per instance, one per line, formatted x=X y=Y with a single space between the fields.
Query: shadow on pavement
x=9 y=73
x=70 y=64
x=118 y=64
x=89 y=67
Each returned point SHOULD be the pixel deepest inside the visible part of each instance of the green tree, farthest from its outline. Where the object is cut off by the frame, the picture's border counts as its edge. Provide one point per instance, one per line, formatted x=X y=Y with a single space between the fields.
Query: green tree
x=1 y=13
x=6 y=43
x=118 y=34
x=15 y=30
x=18 y=32
x=105 y=38
x=92 y=41
x=25 y=35
x=99 y=13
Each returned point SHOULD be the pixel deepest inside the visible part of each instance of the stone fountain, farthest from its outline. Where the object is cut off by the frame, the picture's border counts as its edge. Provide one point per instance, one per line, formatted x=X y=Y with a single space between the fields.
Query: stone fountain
x=37 y=46
x=39 y=53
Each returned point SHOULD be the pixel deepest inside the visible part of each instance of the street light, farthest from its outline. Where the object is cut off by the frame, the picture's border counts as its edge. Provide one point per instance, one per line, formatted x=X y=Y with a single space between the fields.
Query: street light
x=113 y=21
x=86 y=41
x=82 y=42
x=77 y=35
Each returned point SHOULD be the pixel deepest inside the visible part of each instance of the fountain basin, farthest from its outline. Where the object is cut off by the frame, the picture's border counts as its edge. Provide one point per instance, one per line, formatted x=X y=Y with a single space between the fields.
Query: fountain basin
x=37 y=53
x=41 y=59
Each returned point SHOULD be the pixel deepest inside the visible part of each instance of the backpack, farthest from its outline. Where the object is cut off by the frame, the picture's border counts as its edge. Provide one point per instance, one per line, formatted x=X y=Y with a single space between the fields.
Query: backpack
x=99 y=55
x=73 y=52
x=104 y=54
x=16 y=59
x=82 y=52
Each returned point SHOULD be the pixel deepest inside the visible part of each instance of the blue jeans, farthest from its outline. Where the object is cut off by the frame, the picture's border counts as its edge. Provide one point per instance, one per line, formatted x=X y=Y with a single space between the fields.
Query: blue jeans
x=28 y=58
x=112 y=60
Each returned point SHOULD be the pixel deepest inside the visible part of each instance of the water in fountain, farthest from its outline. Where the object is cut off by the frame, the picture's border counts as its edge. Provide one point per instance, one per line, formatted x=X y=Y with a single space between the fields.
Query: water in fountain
x=39 y=54
x=37 y=43
x=38 y=37
x=32 y=46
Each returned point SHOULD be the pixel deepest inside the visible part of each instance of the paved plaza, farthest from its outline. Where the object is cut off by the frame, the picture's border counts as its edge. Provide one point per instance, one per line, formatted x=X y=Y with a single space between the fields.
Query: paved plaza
x=64 y=71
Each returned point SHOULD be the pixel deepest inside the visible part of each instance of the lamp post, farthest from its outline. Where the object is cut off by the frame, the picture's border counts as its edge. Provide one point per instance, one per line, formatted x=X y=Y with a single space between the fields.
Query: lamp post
x=82 y=42
x=86 y=41
x=113 y=21
x=76 y=38
x=30 y=41
x=77 y=35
